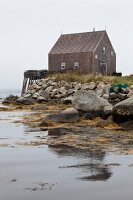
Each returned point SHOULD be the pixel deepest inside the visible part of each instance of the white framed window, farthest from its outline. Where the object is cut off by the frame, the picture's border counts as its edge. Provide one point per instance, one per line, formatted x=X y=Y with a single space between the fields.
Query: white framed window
x=104 y=48
x=63 y=65
x=96 y=56
x=112 y=53
x=76 y=65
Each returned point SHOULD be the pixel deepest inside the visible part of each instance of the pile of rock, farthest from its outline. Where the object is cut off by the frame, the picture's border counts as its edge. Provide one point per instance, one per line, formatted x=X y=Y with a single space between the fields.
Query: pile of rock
x=89 y=99
x=45 y=90
x=48 y=89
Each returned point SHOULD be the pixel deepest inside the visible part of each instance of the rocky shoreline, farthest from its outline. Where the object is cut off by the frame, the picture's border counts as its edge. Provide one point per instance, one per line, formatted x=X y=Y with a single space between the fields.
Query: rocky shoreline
x=49 y=89
x=72 y=102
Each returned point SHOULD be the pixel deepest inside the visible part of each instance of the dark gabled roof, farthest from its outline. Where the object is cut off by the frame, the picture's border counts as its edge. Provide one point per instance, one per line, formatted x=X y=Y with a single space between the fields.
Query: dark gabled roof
x=78 y=42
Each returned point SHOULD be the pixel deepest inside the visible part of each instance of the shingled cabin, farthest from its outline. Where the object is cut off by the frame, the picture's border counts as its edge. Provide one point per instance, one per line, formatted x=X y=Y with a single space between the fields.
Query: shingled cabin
x=89 y=52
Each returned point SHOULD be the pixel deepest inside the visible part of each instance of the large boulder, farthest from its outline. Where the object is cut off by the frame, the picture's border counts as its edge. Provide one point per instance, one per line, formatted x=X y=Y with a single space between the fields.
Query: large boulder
x=69 y=115
x=89 y=102
x=25 y=101
x=123 y=111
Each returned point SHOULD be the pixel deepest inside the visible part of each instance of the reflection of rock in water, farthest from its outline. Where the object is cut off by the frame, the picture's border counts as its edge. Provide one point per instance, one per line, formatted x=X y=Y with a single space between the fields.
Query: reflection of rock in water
x=66 y=150
x=104 y=176
x=92 y=161
x=98 y=173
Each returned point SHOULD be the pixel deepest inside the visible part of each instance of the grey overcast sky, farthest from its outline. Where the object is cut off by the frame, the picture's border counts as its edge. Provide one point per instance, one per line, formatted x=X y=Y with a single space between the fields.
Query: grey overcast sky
x=29 y=28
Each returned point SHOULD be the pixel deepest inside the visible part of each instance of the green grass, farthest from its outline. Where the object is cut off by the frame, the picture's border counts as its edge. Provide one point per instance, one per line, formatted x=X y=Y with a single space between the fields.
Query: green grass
x=86 y=78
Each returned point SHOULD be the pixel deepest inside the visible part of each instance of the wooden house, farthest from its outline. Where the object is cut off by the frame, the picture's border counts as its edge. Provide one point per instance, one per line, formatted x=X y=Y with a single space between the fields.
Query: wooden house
x=89 y=52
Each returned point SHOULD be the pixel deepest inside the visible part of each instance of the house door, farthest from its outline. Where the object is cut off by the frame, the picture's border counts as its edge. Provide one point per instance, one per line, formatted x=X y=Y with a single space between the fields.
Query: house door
x=103 y=68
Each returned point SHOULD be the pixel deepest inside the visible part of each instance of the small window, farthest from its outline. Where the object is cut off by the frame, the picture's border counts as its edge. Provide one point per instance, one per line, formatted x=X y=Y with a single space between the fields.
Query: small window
x=76 y=65
x=96 y=56
x=112 y=53
x=63 y=65
x=104 y=48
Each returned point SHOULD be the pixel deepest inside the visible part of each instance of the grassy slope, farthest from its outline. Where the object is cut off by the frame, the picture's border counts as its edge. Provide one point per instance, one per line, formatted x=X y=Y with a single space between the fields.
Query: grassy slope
x=82 y=78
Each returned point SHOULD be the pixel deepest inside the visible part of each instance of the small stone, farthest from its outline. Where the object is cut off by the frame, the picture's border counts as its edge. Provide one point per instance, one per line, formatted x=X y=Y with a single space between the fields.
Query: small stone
x=35 y=86
x=86 y=86
x=101 y=85
x=49 y=89
x=41 y=99
x=78 y=86
x=58 y=96
x=44 y=94
x=54 y=92
x=44 y=86
x=106 y=96
x=40 y=83
x=92 y=86
x=46 y=80
x=62 y=90
x=70 y=91
x=55 y=84
x=43 y=80
x=35 y=95
x=68 y=86
x=27 y=95
x=32 y=91
x=49 y=83
x=62 y=83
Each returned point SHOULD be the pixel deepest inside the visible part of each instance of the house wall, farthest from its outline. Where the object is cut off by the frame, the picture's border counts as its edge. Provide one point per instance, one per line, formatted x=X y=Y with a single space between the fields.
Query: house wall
x=85 y=62
x=107 y=57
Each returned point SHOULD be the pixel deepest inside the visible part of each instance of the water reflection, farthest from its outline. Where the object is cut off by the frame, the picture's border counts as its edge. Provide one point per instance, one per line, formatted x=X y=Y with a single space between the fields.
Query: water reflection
x=90 y=161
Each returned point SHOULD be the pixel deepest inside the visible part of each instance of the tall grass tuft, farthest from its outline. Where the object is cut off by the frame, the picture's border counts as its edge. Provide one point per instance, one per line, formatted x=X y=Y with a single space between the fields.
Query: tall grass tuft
x=87 y=78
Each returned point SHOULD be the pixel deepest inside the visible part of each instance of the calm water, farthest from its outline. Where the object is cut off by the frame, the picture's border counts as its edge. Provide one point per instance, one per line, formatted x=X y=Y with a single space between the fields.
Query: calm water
x=61 y=173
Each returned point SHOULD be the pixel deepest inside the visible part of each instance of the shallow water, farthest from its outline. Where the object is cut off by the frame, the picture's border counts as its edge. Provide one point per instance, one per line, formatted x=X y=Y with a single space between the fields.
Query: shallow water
x=47 y=172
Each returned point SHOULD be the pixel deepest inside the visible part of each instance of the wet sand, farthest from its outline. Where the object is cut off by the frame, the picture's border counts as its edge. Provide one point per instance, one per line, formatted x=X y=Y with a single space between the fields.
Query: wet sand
x=35 y=166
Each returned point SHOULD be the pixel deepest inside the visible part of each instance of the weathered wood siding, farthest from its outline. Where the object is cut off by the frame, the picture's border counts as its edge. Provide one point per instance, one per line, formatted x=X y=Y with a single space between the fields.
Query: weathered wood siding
x=84 y=59
x=104 y=56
